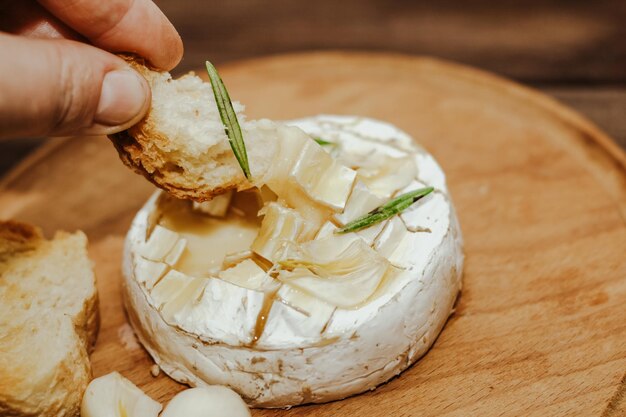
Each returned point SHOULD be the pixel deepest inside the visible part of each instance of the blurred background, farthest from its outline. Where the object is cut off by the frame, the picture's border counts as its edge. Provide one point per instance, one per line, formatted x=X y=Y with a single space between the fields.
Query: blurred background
x=573 y=50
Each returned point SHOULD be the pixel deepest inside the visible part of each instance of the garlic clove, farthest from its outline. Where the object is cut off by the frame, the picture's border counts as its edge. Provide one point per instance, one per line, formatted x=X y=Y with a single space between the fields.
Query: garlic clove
x=112 y=395
x=210 y=401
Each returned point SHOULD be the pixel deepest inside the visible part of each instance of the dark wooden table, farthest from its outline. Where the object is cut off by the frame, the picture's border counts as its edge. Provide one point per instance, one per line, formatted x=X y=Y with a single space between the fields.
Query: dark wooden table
x=573 y=50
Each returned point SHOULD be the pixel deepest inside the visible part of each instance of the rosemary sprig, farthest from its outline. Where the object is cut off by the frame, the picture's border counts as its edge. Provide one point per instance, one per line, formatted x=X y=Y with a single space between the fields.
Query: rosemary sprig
x=387 y=210
x=229 y=119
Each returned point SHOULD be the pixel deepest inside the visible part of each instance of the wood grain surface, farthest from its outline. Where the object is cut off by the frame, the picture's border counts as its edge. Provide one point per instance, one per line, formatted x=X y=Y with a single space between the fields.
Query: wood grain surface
x=540 y=327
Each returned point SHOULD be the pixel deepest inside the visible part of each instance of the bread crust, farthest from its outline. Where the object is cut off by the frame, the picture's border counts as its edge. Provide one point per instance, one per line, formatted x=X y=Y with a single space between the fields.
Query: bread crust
x=27 y=388
x=16 y=237
x=133 y=147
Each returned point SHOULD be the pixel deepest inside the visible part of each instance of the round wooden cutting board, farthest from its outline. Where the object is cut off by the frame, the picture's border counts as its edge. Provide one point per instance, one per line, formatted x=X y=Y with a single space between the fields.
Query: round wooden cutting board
x=540 y=328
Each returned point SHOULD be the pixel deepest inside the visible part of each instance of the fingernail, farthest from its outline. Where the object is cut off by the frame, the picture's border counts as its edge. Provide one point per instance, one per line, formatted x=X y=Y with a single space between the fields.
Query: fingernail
x=124 y=94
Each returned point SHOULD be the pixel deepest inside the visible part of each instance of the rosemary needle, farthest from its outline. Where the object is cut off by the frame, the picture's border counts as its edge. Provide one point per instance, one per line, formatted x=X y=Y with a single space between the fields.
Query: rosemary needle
x=229 y=119
x=387 y=210
x=322 y=142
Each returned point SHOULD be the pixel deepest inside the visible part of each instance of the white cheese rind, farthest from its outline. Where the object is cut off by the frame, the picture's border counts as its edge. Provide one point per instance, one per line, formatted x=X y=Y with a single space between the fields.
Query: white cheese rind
x=298 y=361
x=295 y=318
x=148 y=272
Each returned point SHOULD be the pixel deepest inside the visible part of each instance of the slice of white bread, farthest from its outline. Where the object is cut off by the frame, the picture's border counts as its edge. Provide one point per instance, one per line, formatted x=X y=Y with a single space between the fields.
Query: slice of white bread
x=48 y=321
x=181 y=144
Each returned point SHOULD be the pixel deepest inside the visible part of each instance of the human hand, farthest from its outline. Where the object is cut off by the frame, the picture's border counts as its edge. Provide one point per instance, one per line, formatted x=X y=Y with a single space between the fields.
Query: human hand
x=58 y=75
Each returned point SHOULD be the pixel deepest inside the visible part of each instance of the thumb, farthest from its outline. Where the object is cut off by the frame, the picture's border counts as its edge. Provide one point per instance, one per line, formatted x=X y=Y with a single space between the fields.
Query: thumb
x=61 y=87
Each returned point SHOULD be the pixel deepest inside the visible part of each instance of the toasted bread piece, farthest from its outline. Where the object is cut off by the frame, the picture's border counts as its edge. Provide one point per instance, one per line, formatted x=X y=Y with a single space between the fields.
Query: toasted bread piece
x=48 y=321
x=181 y=145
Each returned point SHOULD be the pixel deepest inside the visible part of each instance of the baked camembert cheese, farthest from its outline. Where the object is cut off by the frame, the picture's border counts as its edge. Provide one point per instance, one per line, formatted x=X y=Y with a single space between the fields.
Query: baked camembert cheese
x=266 y=283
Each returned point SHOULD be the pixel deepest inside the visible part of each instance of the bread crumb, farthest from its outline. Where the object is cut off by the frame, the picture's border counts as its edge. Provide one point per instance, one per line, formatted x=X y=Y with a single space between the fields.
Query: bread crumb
x=155 y=370
x=127 y=337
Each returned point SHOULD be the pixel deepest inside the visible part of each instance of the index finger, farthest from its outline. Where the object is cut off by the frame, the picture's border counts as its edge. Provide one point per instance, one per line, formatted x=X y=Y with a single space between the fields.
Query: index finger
x=136 y=26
